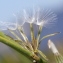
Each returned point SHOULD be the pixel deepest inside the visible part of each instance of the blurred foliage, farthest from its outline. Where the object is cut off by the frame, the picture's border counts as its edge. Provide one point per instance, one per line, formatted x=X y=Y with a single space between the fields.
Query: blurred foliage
x=14 y=57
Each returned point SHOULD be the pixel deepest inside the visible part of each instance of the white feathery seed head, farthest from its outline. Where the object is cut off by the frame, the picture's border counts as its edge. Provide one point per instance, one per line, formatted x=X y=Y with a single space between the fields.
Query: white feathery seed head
x=29 y=17
x=19 y=20
x=41 y=17
x=7 y=25
x=45 y=17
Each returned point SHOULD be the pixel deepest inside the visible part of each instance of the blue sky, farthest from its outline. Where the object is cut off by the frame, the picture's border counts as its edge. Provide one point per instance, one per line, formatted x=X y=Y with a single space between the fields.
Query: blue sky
x=8 y=7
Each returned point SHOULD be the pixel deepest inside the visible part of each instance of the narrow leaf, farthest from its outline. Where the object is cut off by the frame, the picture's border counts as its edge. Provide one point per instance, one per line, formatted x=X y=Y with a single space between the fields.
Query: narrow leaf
x=48 y=36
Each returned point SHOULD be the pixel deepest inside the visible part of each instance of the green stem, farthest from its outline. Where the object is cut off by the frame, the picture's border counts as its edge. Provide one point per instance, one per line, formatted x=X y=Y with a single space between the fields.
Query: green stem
x=32 y=32
x=22 y=33
x=39 y=32
x=38 y=36
x=15 y=46
x=18 y=47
